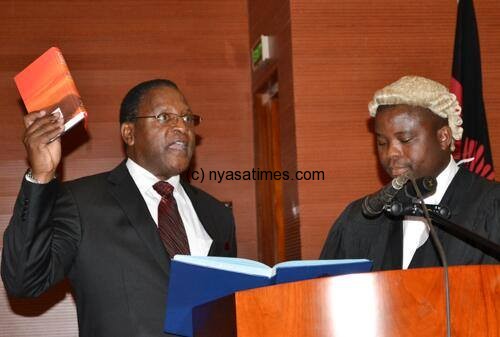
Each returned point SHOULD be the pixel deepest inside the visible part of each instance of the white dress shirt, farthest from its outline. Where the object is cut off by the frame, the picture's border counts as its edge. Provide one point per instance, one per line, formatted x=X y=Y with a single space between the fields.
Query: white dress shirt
x=415 y=231
x=198 y=238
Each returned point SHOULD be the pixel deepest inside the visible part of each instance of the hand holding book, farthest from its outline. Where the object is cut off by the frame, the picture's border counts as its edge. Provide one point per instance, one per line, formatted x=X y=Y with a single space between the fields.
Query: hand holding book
x=46 y=84
x=43 y=145
x=54 y=106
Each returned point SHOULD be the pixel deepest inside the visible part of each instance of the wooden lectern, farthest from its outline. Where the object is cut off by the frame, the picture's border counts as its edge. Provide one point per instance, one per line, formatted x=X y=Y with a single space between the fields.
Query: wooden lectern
x=391 y=303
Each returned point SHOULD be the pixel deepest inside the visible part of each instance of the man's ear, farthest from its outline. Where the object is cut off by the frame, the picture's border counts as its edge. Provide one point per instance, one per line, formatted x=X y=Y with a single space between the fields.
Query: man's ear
x=127 y=131
x=444 y=137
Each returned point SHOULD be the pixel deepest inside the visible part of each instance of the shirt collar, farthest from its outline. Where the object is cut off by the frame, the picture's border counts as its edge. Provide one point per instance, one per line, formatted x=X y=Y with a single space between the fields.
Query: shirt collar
x=145 y=179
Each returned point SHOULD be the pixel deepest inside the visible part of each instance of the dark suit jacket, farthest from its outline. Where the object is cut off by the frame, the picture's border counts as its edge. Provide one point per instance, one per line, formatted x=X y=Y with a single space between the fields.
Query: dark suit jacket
x=98 y=232
x=474 y=203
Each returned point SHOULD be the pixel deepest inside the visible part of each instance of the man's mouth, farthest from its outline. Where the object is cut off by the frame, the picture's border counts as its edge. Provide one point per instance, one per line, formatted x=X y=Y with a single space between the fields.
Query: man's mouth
x=397 y=171
x=178 y=146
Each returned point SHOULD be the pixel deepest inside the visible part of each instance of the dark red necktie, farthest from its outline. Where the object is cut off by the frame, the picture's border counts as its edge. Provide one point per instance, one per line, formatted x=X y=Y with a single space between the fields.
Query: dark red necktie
x=170 y=225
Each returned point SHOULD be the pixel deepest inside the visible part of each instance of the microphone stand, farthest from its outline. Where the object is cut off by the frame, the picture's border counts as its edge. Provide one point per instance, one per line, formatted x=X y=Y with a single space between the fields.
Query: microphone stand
x=435 y=213
x=487 y=246
x=435 y=216
x=441 y=253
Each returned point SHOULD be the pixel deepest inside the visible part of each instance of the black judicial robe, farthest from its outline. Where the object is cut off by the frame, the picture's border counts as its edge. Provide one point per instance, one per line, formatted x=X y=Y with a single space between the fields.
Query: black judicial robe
x=474 y=203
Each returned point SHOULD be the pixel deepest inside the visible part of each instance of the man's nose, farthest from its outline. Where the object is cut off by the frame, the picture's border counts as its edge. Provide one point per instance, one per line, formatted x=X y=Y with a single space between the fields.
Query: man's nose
x=179 y=124
x=394 y=150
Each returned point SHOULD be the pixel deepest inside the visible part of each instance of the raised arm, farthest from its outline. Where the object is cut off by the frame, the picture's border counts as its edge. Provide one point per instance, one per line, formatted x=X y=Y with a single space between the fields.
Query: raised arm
x=43 y=234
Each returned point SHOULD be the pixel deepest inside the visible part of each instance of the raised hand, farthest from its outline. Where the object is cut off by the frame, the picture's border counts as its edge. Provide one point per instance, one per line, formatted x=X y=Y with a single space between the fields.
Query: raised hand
x=44 y=155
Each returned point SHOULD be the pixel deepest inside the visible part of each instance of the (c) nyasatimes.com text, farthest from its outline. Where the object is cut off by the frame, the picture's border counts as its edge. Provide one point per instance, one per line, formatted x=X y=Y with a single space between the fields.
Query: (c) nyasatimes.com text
x=254 y=174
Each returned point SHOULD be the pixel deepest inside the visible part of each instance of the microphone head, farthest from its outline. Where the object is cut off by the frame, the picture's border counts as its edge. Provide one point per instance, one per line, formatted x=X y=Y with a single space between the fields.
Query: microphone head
x=373 y=204
x=400 y=181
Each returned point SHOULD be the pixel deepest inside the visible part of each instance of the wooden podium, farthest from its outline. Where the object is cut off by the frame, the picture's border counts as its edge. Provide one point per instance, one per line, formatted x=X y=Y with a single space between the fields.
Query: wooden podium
x=391 y=303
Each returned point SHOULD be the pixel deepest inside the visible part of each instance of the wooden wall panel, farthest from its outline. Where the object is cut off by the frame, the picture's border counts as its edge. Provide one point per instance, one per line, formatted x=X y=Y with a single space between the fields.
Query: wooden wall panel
x=112 y=45
x=273 y=18
x=342 y=52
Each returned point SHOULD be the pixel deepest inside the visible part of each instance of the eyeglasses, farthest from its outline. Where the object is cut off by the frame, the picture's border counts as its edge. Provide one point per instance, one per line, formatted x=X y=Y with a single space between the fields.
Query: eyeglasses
x=170 y=118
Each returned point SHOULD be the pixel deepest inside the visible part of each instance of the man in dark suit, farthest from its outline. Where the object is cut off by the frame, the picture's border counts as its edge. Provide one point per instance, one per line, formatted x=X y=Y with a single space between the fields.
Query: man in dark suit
x=105 y=232
x=416 y=122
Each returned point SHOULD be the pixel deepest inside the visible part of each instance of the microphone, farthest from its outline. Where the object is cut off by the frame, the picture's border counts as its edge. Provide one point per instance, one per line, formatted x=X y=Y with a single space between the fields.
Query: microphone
x=373 y=204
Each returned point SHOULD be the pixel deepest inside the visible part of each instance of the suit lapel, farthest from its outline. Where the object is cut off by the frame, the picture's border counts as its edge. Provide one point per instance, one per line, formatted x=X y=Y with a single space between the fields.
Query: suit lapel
x=124 y=190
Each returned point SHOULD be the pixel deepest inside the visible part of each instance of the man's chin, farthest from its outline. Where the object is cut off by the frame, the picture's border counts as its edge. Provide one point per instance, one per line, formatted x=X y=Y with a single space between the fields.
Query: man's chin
x=176 y=168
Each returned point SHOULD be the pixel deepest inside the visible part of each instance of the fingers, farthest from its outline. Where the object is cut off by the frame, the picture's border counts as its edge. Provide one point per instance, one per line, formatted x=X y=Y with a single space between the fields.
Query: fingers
x=44 y=154
x=32 y=117
x=42 y=127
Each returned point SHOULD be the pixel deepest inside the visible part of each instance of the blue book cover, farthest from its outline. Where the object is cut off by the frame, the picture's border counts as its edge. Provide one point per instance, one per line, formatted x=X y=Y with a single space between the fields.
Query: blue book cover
x=196 y=280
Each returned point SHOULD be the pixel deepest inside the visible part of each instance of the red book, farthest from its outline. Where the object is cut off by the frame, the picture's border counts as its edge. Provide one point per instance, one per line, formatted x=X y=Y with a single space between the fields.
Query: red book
x=46 y=84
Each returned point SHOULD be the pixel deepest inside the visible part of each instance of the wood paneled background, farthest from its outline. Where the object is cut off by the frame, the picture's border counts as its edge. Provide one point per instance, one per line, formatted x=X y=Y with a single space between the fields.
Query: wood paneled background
x=272 y=18
x=110 y=46
x=332 y=56
x=343 y=51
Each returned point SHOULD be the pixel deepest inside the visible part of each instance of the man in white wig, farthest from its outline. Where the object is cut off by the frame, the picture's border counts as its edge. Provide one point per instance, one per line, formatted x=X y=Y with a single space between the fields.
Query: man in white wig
x=416 y=122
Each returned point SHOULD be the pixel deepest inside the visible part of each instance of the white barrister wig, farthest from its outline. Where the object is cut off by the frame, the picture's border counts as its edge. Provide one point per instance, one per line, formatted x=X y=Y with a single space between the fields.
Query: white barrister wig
x=425 y=93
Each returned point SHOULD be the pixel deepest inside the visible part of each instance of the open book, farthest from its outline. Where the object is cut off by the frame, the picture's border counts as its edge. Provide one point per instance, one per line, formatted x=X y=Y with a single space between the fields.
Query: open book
x=46 y=84
x=195 y=280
